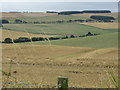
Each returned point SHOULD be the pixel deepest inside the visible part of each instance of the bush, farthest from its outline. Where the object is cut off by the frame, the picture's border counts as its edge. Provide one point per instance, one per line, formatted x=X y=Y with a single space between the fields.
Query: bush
x=3 y=21
x=89 y=34
x=65 y=37
x=18 y=21
x=53 y=38
x=35 y=39
x=72 y=36
x=22 y=39
x=7 y=40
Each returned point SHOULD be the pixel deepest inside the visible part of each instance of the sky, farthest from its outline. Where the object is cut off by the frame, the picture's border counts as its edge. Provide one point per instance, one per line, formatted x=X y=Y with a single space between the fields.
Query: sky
x=59 y=0
x=57 y=6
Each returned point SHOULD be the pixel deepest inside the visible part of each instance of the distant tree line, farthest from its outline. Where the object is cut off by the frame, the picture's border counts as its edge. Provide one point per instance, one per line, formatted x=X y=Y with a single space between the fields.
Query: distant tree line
x=69 y=12
x=93 y=18
x=96 y=11
x=81 y=12
x=51 y=12
x=59 y=21
x=102 y=18
x=25 y=39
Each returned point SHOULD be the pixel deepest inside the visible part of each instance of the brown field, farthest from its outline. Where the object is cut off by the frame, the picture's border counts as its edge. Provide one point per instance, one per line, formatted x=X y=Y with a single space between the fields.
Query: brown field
x=102 y=14
x=40 y=64
x=103 y=25
x=15 y=34
x=5 y=14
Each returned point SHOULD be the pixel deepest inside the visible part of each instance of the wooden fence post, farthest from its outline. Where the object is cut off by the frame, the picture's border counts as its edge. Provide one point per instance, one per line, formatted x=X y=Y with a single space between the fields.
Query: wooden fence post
x=62 y=83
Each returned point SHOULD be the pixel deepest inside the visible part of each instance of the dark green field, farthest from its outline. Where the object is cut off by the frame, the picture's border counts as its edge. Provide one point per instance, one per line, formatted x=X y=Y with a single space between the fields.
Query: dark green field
x=65 y=28
x=107 y=38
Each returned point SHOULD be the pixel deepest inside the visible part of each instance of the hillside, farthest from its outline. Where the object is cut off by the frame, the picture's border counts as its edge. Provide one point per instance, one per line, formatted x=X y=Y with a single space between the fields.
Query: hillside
x=15 y=34
x=64 y=28
x=102 y=41
x=7 y=14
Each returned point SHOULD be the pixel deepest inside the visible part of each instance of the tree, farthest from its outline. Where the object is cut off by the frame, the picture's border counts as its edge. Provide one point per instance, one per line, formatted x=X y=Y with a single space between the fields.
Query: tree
x=89 y=34
x=22 y=39
x=102 y=18
x=72 y=36
x=8 y=40
x=18 y=21
x=69 y=12
x=96 y=11
x=3 y=21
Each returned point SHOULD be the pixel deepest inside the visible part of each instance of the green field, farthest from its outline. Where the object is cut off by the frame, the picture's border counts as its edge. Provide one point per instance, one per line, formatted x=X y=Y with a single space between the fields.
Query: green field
x=63 y=28
x=45 y=18
x=106 y=39
x=101 y=41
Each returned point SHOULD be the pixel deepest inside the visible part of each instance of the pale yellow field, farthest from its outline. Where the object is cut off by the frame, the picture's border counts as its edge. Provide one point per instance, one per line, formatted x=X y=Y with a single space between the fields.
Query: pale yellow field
x=102 y=14
x=104 y=25
x=40 y=64
x=47 y=14
x=25 y=14
x=15 y=34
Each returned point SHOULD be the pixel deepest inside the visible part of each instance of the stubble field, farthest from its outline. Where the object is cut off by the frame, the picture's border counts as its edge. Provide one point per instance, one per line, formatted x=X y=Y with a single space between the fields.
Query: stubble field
x=86 y=61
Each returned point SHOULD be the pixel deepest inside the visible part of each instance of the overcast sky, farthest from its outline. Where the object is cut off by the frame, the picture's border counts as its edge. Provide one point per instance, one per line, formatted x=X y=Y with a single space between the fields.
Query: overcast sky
x=58 y=6
x=60 y=0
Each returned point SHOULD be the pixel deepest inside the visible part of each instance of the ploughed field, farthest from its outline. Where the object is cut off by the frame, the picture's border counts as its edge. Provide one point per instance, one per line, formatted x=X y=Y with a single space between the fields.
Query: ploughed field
x=86 y=61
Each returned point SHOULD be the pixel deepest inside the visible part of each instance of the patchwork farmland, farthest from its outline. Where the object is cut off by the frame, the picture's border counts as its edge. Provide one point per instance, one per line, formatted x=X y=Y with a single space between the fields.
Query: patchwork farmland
x=86 y=61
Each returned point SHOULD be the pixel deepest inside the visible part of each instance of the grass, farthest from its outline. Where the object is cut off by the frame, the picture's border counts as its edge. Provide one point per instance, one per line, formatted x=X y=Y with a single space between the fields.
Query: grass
x=45 y=18
x=102 y=41
x=114 y=80
x=66 y=28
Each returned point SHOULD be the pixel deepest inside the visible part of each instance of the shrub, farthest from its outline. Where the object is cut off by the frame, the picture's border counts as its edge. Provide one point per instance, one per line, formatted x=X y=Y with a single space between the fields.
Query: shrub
x=18 y=21
x=22 y=39
x=53 y=38
x=72 y=36
x=89 y=34
x=35 y=39
x=3 y=21
x=7 y=40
